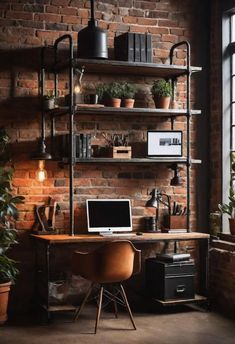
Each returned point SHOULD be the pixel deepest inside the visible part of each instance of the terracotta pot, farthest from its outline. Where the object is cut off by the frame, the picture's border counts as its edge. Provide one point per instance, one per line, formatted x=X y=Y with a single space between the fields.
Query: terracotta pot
x=4 y=294
x=162 y=102
x=114 y=102
x=128 y=103
x=232 y=226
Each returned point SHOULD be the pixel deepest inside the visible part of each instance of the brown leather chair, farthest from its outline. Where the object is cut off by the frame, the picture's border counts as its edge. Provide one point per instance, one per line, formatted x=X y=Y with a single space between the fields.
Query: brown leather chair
x=108 y=266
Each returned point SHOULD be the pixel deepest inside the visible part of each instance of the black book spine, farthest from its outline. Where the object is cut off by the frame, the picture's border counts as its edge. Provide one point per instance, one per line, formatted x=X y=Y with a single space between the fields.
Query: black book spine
x=137 y=47
x=80 y=146
x=142 y=48
x=88 y=146
x=84 y=144
x=130 y=47
x=149 y=55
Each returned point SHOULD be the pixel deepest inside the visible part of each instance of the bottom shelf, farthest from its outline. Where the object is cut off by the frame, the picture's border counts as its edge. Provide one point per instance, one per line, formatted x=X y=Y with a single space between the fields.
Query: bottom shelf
x=197 y=298
x=59 y=308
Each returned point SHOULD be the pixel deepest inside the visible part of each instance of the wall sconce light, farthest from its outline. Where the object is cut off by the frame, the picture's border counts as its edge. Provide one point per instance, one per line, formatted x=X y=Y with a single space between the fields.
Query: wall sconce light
x=78 y=97
x=41 y=173
x=154 y=202
x=176 y=180
x=41 y=154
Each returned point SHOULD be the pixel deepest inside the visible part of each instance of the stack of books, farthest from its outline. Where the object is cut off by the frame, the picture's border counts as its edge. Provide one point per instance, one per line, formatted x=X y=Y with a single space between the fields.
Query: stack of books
x=81 y=146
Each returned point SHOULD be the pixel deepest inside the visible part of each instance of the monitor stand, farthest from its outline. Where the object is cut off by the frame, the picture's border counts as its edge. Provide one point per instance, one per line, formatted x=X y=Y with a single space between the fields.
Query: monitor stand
x=106 y=234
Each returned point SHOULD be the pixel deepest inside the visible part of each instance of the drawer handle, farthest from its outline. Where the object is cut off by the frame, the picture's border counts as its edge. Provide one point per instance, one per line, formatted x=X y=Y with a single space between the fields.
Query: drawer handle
x=180 y=289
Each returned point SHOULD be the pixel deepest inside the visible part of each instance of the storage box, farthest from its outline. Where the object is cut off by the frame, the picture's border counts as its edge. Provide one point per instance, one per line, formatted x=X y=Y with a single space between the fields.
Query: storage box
x=170 y=281
x=121 y=152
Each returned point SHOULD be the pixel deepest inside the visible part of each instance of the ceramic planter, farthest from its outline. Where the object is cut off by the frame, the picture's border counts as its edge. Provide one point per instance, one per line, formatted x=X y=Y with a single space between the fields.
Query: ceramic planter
x=161 y=102
x=114 y=102
x=128 y=103
x=232 y=226
x=4 y=295
x=48 y=104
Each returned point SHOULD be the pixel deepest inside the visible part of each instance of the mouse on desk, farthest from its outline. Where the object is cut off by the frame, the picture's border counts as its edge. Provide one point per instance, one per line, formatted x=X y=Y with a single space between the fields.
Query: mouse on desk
x=139 y=233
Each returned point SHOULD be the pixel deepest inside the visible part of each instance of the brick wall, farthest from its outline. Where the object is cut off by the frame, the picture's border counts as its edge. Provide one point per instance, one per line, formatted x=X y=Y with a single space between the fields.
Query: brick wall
x=25 y=26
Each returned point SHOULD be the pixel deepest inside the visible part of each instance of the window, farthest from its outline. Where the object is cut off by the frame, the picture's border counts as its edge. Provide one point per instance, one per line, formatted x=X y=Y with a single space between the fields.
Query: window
x=228 y=108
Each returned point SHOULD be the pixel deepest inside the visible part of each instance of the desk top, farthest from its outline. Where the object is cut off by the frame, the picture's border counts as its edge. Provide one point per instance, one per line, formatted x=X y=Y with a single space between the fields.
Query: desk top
x=145 y=237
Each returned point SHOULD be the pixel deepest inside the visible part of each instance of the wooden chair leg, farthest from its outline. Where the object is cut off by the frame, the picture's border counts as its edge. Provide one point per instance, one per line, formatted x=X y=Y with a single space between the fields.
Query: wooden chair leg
x=99 y=309
x=127 y=305
x=83 y=302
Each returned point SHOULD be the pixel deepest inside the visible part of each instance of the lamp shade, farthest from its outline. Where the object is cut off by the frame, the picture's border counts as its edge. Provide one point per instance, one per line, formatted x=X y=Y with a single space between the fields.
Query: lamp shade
x=152 y=202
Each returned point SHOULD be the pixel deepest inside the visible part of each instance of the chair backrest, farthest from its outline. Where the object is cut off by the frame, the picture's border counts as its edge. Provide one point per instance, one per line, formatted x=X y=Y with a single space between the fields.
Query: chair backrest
x=113 y=262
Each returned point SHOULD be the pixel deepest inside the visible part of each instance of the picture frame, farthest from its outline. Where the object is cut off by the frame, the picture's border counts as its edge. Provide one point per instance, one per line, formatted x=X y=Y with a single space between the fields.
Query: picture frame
x=164 y=143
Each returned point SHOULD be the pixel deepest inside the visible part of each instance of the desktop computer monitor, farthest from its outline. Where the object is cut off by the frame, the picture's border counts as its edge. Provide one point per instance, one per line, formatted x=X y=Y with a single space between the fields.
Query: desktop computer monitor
x=109 y=215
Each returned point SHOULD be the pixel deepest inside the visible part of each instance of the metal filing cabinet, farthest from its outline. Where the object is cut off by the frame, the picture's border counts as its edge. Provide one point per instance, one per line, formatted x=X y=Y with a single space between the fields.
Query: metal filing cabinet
x=170 y=281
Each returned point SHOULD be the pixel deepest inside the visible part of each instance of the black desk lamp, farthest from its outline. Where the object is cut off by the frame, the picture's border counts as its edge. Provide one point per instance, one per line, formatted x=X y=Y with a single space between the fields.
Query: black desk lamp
x=176 y=180
x=154 y=202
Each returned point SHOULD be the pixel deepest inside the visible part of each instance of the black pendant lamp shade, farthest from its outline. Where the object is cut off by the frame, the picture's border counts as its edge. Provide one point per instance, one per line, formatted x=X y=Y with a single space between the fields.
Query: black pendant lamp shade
x=92 y=41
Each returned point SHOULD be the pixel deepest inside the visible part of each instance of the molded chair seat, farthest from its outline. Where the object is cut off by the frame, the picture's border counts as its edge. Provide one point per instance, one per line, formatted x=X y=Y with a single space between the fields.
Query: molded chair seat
x=108 y=266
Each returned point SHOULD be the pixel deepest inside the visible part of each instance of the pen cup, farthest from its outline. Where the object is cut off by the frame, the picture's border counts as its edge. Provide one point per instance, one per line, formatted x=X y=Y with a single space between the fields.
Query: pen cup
x=175 y=221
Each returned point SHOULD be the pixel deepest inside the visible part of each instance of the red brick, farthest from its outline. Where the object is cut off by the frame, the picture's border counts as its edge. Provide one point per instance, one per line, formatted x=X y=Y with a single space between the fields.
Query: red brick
x=19 y=15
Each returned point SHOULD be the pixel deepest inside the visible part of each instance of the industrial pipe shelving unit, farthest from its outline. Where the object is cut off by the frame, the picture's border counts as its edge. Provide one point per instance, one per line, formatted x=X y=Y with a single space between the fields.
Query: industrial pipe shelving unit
x=170 y=72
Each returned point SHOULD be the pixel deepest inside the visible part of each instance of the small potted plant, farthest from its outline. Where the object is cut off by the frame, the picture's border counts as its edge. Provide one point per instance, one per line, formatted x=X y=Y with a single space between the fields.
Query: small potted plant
x=49 y=101
x=101 y=91
x=8 y=213
x=161 y=91
x=230 y=210
x=128 y=94
x=114 y=94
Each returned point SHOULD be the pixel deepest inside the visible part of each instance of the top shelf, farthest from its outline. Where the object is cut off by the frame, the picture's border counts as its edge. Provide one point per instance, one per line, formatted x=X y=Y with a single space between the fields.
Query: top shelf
x=123 y=67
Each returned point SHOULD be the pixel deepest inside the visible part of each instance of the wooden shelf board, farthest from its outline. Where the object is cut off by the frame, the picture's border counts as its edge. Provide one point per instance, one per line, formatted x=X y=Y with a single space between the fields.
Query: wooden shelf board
x=80 y=110
x=124 y=67
x=181 y=160
x=198 y=298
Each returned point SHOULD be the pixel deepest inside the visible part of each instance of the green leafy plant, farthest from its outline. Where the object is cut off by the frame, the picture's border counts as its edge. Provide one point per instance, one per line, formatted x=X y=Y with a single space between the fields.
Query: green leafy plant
x=128 y=90
x=161 y=88
x=8 y=213
x=230 y=207
x=101 y=91
x=114 y=90
x=49 y=95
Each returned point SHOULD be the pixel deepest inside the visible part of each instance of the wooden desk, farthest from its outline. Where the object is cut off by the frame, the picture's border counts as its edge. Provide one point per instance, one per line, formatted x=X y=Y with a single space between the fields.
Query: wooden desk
x=46 y=242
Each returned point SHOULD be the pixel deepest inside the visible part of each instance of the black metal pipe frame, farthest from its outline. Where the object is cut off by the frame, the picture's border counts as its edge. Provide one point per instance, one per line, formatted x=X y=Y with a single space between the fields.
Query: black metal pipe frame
x=71 y=125
x=188 y=103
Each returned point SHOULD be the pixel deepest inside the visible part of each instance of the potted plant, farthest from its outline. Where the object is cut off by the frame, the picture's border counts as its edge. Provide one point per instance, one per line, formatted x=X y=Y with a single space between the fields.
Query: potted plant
x=101 y=91
x=8 y=213
x=230 y=210
x=49 y=101
x=161 y=91
x=128 y=94
x=114 y=93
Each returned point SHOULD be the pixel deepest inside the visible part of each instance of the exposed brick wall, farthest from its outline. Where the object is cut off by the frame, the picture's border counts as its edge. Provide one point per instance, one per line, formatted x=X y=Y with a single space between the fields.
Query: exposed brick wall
x=25 y=26
x=222 y=279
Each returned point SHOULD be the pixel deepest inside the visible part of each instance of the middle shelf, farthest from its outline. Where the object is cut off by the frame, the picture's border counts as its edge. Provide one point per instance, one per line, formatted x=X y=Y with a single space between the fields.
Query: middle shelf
x=105 y=110
x=179 y=160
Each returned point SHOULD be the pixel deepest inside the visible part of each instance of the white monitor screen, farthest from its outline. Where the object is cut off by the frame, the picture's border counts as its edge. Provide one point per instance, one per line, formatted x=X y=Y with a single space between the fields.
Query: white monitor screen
x=105 y=215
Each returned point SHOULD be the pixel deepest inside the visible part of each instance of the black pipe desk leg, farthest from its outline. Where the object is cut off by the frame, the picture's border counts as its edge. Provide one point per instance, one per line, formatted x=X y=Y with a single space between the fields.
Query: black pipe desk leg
x=204 y=266
x=48 y=280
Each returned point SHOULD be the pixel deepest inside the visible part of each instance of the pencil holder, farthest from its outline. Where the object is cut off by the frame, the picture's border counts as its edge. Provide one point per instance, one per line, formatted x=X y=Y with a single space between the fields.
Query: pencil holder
x=175 y=221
